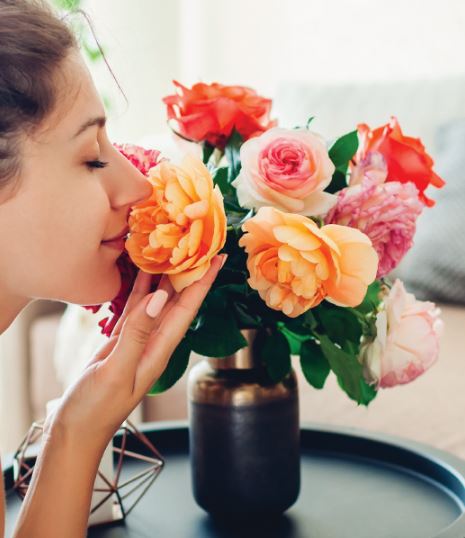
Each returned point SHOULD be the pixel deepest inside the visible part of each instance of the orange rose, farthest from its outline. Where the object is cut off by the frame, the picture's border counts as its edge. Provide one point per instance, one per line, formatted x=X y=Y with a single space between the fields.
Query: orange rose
x=294 y=265
x=211 y=111
x=179 y=229
x=405 y=157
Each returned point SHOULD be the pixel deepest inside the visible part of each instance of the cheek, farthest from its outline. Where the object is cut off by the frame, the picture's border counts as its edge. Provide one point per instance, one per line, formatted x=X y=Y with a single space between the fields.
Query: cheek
x=71 y=222
x=54 y=251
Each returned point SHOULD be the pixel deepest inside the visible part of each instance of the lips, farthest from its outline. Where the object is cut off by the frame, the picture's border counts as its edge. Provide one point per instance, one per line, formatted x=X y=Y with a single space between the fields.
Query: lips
x=121 y=235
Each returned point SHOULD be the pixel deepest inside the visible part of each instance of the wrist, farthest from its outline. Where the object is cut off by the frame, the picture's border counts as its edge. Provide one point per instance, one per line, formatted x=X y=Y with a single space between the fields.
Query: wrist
x=58 y=435
x=60 y=492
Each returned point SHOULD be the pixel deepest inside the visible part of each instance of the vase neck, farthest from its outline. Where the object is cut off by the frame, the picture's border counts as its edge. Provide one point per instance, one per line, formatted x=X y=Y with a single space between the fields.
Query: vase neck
x=243 y=359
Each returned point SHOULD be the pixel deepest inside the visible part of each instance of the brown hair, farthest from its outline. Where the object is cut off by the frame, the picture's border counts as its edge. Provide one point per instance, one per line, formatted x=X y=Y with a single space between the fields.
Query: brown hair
x=33 y=42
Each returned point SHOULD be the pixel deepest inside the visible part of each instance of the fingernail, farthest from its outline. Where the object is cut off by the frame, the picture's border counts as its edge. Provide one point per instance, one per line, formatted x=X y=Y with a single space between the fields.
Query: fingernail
x=156 y=303
x=223 y=261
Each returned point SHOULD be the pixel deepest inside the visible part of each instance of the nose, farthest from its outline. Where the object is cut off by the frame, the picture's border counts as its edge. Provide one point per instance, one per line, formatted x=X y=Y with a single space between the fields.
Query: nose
x=127 y=186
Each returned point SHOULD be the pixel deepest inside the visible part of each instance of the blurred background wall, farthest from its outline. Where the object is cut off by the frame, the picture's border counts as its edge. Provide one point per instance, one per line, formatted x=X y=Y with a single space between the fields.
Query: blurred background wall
x=265 y=43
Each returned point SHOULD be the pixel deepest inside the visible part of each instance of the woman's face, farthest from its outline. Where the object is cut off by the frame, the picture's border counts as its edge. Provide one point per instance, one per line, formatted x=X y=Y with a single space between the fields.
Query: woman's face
x=65 y=205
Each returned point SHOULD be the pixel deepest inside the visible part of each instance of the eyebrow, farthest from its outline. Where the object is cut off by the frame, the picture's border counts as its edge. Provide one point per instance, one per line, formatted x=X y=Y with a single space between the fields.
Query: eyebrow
x=99 y=120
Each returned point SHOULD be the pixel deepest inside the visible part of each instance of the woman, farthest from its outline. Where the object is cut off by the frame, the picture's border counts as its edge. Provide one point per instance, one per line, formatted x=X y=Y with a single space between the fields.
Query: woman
x=64 y=191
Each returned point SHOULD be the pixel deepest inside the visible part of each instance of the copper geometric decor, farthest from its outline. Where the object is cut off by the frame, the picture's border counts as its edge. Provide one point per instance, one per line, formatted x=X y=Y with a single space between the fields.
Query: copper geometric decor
x=25 y=457
x=113 y=496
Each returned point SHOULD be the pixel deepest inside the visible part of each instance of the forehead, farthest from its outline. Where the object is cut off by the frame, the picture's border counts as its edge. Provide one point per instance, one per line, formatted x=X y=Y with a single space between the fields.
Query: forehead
x=76 y=100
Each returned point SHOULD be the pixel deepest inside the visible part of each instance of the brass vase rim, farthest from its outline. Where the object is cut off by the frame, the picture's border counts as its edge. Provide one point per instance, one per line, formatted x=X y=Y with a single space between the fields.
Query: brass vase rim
x=242 y=359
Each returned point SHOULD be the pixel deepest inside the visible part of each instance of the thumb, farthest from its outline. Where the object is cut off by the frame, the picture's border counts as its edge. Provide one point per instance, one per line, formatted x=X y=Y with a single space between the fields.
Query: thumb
x=137 y=329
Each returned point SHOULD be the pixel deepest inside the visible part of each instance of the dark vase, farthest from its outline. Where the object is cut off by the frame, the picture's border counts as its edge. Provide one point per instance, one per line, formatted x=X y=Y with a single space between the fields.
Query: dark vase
x=244 y=437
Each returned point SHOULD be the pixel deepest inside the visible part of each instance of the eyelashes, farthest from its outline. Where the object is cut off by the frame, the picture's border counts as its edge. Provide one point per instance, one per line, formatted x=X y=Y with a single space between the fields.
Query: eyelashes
x=96 y=164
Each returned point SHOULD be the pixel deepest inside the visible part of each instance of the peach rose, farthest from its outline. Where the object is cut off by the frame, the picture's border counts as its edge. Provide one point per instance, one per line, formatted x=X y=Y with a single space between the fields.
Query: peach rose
x=407 y=340
x=294 y=265
x=179 y=229
x=287 y=169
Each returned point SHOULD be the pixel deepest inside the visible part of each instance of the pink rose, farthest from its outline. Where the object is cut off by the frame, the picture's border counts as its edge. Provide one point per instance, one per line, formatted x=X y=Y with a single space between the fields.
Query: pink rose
x=287 y=169
x=407 y=340
x=143 y=159
x=386 y=212
x=372 y=166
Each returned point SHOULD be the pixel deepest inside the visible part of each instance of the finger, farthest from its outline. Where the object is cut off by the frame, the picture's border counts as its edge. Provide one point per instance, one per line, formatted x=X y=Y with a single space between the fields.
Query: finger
x=165 y=284
x=141 y=287
x=173 y=327
x=172 y=298
x=136 y=329
x=104 y=350
x=188 y=292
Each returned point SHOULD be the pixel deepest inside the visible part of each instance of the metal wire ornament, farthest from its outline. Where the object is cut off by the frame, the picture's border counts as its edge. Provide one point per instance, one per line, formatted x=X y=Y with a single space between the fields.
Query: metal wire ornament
x=126 y=492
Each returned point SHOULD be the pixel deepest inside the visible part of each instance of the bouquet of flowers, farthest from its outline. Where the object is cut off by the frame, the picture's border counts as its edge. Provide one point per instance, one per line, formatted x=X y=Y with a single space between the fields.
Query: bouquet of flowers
x=311 y=230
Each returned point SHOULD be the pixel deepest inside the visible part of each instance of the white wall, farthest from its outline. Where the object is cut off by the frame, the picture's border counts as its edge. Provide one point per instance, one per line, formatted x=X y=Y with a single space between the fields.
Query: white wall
x=263 y=43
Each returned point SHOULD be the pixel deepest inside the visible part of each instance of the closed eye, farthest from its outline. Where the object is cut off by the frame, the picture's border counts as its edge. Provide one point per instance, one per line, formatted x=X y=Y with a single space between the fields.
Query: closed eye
x=96 y=164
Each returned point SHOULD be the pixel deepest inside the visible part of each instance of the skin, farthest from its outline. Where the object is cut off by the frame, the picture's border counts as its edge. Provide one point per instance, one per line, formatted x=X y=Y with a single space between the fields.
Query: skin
x=56 y=219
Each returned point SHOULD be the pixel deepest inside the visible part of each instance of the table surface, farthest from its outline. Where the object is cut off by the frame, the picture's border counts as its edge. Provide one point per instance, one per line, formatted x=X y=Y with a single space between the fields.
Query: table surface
x=354 y=485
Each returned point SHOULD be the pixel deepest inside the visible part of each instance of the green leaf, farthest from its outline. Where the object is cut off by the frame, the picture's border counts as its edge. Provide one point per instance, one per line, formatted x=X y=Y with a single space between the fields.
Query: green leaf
x=341 y=153
x=348 y=370
x=94 y=54
x=309 y=121
x=315 y=366
x=295 y=333
x=297 y=327
x=276 y=355
x=106 y=102
x=207 y=152
x=248 y=215
x=220 y=178
x=70 y=5
x=338 y=182
x=216 y=333
x=245 y=318
x=339 y=324
x=372 y=298
x=368 y=391
x=234 y=289
x=344 y=149
x=232 y=152
x=298 y=330
x=175 y=369
x=294 y=340
x=231 y=204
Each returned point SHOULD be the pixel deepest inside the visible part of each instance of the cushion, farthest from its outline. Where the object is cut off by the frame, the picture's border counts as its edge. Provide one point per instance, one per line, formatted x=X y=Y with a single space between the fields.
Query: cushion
x=420 y=105
x=435 y=266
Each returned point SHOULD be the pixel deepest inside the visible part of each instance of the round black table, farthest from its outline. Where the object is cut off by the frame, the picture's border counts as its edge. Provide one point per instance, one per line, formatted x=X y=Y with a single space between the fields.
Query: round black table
x=354 y=485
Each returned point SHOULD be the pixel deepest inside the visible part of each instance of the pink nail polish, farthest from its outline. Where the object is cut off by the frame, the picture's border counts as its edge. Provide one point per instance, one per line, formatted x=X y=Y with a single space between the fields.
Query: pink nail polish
x=156 y=303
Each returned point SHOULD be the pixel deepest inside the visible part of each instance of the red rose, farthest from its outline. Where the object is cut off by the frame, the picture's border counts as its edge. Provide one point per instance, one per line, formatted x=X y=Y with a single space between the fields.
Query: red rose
x=405 y=157
x=210 y=112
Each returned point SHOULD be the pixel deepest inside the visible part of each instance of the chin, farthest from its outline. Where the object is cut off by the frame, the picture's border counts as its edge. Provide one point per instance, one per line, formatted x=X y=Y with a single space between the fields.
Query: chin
x=101 y=293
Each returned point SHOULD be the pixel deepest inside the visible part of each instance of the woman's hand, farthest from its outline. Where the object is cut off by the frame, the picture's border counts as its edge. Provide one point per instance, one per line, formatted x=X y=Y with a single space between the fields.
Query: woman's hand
x=92 y=409
x=135 y=356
